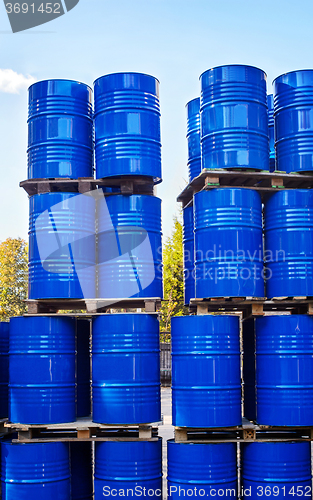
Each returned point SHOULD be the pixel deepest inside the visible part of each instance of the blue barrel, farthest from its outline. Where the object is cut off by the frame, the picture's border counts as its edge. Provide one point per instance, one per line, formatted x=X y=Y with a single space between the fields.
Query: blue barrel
x=81 y=470
x=193 y=138
x=189 y=257
x=288 y=256
x=276 y=470
x=228 y=243
x=127 y=126
x=201 y=470
x=234 y=121
x=129 y=247
x=206 y=384
x=128 y=466
x=4 y=369
x=60 y=130
x=293 y=115
x=42 y=370
x=284 y=376
x=35 y=471
x=62 y=253
x=248 y=365
x=83 y=367
x=270 y=105
x=131 y=393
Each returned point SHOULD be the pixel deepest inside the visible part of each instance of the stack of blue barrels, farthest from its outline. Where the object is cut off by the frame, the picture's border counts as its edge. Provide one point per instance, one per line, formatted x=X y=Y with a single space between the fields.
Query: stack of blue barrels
x=49 y=359
x=230 y=251
x=128 y=145
x=60 y=146
x=125 y=349
x=80 y=247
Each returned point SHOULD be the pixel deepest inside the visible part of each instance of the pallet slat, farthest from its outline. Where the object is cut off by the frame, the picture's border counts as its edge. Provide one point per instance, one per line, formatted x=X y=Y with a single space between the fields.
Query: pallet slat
x=246 y=432
x=128 y=185
x=91 y=306
x=266 y=183
x=252 y=306
x=83 y=430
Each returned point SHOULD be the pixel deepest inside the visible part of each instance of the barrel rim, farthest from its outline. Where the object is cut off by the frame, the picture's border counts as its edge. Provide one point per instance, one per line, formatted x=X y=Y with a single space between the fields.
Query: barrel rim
x=258 y=443
x=291 y=72
x=141 y=196
x=125 y=73
x=188 y=206
x=172 y=441
x=123 y=314
x=45 y=316
x=232 y=66
x=207 y=317
x=102 y=444
x=192 y=100
x=285 y=192
x=63 y=193
x=60 y=80
x=10 y=442
x=234 y=188
x=296 y=316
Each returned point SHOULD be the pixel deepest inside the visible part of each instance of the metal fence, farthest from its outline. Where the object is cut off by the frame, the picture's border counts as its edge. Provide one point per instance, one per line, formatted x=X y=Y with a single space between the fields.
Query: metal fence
x=166 y=364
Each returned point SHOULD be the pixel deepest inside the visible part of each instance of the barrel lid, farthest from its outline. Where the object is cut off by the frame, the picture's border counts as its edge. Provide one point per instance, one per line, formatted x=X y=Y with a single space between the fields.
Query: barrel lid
x=191 y=444
x=126 y=73
x=233 y=66
x=292 y=73
x=193 y=101
x=59 y=80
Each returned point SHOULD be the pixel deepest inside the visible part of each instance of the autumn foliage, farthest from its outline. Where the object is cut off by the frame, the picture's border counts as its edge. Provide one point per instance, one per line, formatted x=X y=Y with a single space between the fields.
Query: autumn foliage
x=13 y=277
x=173 y=278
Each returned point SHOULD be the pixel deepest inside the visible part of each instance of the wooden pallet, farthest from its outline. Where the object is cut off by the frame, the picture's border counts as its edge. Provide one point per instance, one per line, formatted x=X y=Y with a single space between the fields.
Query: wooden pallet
x=266 y=183
x=247 y=432
x=83 y=430
x=252 y=306
x=127 y=185
x=3 y=428
x=91 y=306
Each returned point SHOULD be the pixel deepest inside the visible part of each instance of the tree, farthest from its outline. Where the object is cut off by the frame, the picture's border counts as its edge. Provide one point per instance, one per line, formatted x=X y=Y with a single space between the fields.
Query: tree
x=13 y=277
x=173 y=277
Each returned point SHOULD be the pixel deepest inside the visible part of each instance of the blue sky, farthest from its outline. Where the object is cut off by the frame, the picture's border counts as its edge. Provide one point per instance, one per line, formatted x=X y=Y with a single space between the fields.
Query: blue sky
x=174 y=40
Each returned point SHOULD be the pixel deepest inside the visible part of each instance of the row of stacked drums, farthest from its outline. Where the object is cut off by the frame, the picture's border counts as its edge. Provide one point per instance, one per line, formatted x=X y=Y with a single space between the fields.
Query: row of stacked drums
x=125 y=122
x=99 y=244
x=81 y=246
x=134 y=469
x=206 y=392
x=63 y=471
x=45 y=387
x=230 y=250
x=235 y=124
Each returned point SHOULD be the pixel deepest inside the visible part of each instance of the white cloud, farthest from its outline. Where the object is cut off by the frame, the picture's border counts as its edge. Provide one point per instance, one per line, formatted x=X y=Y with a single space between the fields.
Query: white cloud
x=12 y=82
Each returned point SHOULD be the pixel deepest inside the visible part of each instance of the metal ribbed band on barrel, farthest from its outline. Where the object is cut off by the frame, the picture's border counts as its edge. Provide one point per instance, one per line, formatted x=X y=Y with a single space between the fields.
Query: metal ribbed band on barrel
x=193 y=138
x=234 y=122
x=127 y=126
x=293 y=105
x=60 y=130
x=206 y=386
